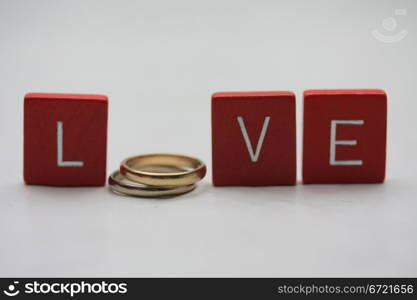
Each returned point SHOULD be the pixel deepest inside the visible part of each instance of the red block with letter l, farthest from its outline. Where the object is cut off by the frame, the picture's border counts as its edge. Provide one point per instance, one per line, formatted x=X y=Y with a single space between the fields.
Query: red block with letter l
x=344 y=136
x=253 y=138
x=65 y=139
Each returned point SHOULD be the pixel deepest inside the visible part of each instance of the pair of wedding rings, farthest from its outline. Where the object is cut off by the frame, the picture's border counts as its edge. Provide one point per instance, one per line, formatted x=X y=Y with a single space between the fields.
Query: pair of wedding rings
x=157 y=175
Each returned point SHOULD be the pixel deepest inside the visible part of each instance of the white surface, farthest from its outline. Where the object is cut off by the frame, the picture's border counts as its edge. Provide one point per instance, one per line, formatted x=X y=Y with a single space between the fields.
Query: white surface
x=159 y=62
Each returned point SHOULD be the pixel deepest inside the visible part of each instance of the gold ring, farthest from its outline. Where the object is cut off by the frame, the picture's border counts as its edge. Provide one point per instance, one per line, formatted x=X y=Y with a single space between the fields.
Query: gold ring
x=163 y=170
x=121 y=185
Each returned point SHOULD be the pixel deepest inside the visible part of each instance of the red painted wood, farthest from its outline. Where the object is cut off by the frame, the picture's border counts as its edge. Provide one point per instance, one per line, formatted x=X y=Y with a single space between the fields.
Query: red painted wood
x=323 y=106
x=232 y=163
x=84 y=119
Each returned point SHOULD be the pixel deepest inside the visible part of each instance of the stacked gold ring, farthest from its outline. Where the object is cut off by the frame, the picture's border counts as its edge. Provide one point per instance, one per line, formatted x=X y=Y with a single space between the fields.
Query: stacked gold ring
x=157 y=175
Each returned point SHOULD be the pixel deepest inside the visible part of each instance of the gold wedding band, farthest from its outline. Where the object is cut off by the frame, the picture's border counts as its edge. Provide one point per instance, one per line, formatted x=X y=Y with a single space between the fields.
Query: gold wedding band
x=119 y=184
x=163 y=170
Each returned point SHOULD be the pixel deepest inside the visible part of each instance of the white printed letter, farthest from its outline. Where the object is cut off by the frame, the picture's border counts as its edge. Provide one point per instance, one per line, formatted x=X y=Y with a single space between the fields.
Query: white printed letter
x=334 y=143
x=253 y=156
x=60 y=149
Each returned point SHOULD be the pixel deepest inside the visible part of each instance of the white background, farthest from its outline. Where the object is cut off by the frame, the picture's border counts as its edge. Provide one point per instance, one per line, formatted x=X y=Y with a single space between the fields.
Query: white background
x=159 y=62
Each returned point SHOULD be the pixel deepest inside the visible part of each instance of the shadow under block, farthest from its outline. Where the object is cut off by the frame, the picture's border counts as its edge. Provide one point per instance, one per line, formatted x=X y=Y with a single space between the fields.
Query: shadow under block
x=65 y=139
x=253 y=138
x=344 y=136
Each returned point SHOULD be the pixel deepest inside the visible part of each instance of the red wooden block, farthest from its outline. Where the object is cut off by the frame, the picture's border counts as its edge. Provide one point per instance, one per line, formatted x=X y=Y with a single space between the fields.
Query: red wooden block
x=344 y=136
x=253 y=138
x=65 y=139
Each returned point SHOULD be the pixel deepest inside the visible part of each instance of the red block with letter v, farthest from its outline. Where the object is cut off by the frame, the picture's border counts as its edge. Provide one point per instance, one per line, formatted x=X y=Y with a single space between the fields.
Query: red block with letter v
x=253 y=138
x=65 y=139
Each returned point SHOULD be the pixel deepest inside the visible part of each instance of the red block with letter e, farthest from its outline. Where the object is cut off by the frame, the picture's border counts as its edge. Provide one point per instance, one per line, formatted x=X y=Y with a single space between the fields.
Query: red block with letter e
x=344 y=136
x=253 y=138
x=65 y=139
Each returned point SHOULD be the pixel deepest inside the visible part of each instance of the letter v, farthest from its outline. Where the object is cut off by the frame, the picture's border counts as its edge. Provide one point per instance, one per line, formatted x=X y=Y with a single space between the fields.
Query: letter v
x=253 y=156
